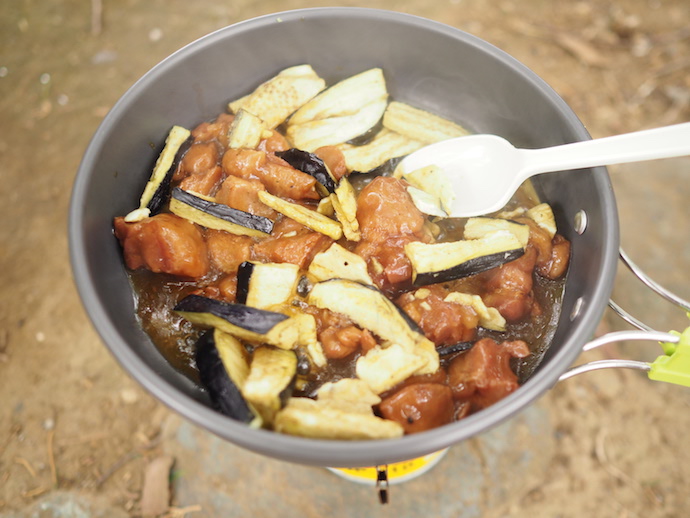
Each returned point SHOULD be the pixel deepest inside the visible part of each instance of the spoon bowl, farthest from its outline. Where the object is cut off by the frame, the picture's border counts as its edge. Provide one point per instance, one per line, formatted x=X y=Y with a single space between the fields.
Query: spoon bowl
x=485 y=171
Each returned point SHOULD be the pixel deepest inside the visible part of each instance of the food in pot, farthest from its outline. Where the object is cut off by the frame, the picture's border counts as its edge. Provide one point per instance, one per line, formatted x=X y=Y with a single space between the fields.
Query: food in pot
x=279 y=260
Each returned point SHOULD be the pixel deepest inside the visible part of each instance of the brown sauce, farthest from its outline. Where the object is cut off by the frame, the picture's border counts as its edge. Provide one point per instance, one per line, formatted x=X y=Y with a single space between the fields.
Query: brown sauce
x=157 y=295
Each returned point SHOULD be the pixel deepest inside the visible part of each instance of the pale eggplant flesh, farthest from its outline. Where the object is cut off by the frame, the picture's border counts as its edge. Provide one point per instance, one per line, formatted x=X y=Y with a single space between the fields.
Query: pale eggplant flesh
x=368 y=307
x=266 y=285
x=271 y=380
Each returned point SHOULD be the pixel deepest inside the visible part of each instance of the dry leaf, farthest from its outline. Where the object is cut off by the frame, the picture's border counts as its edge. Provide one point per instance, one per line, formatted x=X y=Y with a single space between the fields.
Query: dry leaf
x=155 y=497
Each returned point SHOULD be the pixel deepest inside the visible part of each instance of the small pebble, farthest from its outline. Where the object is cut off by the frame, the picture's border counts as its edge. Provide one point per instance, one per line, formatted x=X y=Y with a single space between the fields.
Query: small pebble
x=62 y=100
x=49 y=424
x=129 y=396
x=155 y=34
x=45 y=78
x=40 y=336
x=104 y=56
x=4 y=71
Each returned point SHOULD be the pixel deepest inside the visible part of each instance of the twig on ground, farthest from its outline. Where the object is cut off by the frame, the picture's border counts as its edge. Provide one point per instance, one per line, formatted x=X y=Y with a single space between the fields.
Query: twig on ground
x=116 y=466
x=578 y=47
x=96 y=17
x=23 y=462
x=99 y=436
x=51 y=458
x=602 y=457
x=181 y=512
x=615 y=471
x=651 y=83
x=33 y=493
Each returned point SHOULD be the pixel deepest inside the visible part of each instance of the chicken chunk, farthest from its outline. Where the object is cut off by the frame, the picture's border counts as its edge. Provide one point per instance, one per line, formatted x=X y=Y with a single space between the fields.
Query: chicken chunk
x=279 y=178
x=483 y=375
x=164 y=243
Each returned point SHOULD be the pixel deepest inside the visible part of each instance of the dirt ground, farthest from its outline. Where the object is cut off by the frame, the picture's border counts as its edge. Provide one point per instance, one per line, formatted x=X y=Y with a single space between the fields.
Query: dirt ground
x=71 y=419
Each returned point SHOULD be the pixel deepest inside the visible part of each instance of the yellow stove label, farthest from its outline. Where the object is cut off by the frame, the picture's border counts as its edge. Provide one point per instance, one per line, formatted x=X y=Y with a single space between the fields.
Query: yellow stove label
x=397 y=472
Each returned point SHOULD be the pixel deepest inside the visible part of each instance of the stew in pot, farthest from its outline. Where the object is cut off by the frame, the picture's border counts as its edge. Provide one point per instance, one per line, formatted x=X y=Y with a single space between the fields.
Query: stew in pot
x=279 y=260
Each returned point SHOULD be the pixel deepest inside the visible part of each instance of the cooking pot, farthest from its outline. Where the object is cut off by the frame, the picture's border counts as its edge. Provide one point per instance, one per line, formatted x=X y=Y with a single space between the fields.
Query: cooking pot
x=426 y=64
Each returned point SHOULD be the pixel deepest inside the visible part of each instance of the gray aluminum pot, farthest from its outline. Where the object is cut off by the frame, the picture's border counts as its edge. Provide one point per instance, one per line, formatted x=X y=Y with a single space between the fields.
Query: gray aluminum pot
x=428 y=64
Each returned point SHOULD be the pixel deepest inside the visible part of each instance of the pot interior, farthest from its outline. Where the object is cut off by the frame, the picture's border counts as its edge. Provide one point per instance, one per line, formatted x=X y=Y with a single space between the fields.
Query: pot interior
x=427 y=64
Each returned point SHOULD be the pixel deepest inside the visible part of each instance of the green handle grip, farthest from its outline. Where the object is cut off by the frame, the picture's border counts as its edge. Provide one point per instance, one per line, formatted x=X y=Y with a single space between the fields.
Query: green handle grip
x=674 y=365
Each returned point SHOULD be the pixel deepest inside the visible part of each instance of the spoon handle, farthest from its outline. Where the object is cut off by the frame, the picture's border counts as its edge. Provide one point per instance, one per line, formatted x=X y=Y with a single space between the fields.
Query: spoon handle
x=665 y=142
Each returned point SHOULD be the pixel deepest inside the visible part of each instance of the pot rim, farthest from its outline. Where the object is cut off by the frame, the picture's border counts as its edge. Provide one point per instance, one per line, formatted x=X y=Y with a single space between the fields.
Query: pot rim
x=329 y=452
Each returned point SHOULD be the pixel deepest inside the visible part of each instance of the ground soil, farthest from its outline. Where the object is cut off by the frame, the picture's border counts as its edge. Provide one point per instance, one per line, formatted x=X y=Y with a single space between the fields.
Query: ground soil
x=71 y=419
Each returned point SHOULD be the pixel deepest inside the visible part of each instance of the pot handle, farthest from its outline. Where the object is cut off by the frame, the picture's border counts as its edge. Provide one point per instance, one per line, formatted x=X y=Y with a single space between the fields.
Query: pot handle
x=672 y=367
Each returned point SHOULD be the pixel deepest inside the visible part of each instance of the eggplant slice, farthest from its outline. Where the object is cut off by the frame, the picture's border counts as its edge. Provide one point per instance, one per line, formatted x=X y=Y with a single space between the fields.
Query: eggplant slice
x=441 y=262
x=370 y=309
x=340 y=113
x=383 y=368
x=386 y=146
x=271 y=379
x=222 y=365
x=433 y=181
x=344 y=201
x=303 y=215
x=270 y=284
x=276 y=99
x=367 y=307
x=342 y=410
x=477 y=228
x=244 y=322
x=420 y=125
x=542 y=215
x=305 y=417
x=207 y=213
x=246 y=131
x=337 y=262
x=489 y=318
x=426 y=203
x=157 y=190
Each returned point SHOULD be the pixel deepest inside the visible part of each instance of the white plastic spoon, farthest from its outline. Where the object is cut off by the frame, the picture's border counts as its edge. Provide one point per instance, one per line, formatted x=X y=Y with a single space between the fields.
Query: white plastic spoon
x=486 y=170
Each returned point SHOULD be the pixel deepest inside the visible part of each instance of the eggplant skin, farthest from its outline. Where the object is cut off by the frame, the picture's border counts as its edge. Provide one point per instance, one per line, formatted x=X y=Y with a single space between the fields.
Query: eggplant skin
x=309 y=163
x=459 y=347
x=250 y=319
x=468 y=268
x=225 y=396
x=244 y=273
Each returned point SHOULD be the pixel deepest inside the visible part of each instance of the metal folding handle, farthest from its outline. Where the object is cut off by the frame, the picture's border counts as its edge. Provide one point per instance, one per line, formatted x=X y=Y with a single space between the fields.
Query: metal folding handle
x=673 y=366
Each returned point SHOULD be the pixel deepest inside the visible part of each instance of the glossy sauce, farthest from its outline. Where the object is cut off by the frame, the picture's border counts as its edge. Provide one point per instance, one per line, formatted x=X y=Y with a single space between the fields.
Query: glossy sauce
x=157 y=295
